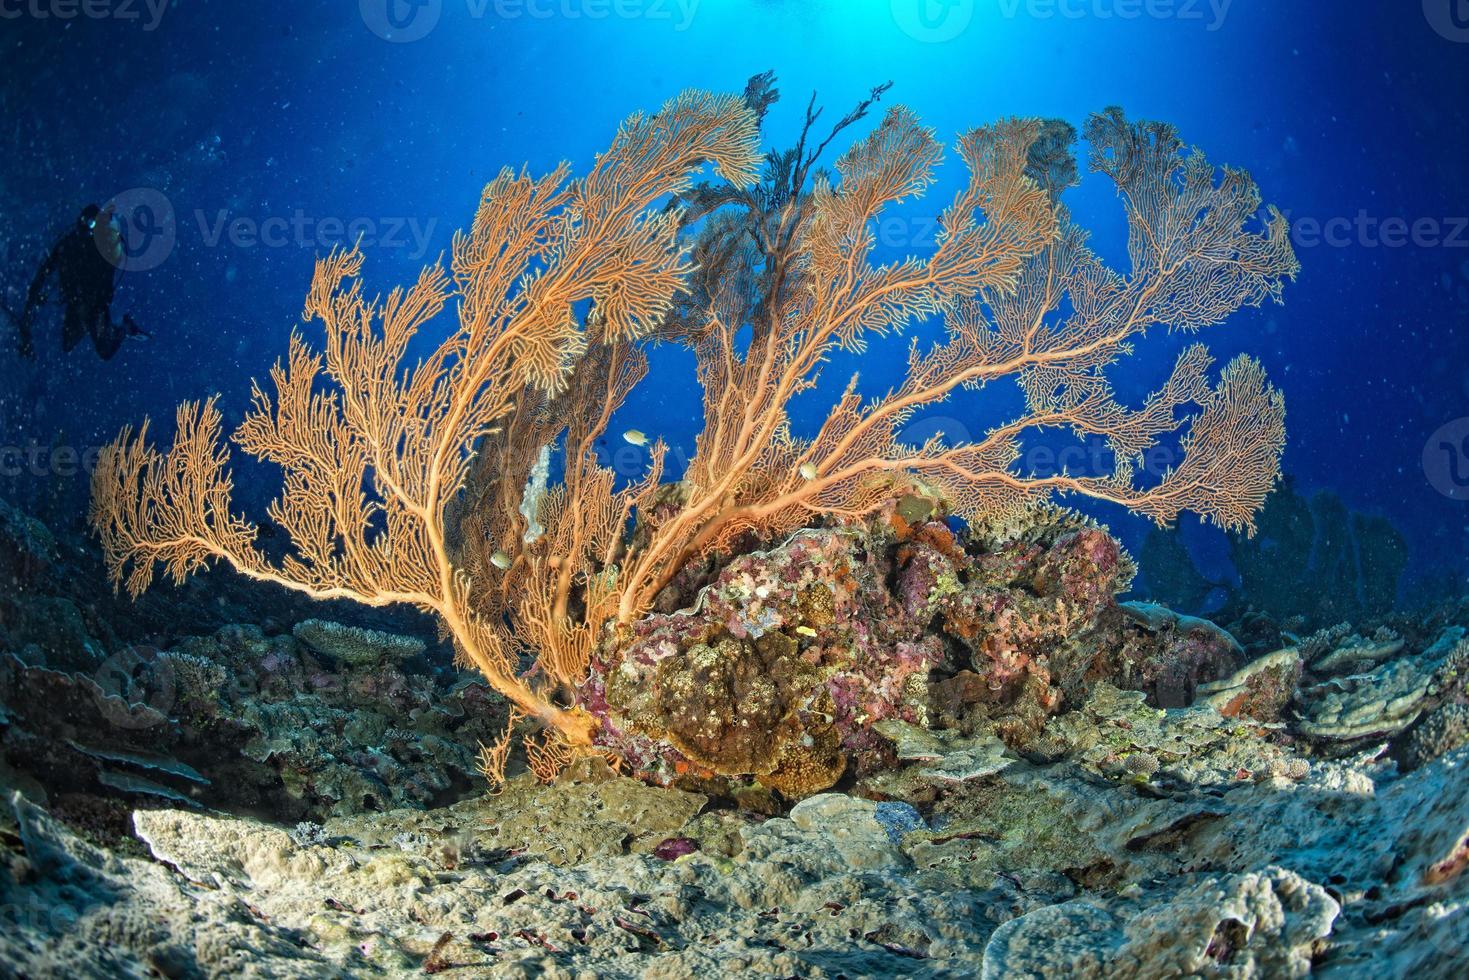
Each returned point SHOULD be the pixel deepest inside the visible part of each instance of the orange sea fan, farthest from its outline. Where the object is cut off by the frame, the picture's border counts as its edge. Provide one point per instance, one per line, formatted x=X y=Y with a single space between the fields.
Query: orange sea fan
x=427 y=483
x=374 y=449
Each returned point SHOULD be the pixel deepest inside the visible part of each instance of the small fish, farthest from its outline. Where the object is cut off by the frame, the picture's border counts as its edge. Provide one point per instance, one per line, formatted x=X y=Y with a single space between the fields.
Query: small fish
x=805 y=631
x=808 y=471
x=500 y=560
x=635 y=437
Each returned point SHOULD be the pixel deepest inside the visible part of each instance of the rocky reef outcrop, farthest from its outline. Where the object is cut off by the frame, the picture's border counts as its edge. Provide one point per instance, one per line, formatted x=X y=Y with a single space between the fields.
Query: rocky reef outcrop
x=780 y=672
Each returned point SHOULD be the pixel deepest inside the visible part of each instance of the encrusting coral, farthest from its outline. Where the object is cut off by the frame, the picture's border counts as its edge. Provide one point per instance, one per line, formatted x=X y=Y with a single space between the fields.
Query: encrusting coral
x=558 y=285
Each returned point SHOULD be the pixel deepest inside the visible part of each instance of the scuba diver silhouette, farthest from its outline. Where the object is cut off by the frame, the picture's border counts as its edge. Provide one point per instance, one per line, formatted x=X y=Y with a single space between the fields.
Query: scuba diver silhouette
x=86 y=262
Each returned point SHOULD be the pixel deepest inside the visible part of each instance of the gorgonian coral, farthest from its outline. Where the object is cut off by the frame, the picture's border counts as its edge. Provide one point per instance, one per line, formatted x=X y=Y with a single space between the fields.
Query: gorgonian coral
x=375 y=447
x=559 y=284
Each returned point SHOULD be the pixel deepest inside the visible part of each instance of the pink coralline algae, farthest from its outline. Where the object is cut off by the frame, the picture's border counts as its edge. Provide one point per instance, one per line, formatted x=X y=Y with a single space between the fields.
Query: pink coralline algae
x=674 y=848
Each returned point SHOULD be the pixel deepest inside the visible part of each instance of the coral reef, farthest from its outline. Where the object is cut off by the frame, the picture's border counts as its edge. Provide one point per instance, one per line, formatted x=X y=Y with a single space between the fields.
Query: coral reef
x=1347 y=703
x=1037 y=870
x=1260 y=924
x=1260 y=689
x=560 y=283
x=355 y=646
x=829 y=705
x=246 y=720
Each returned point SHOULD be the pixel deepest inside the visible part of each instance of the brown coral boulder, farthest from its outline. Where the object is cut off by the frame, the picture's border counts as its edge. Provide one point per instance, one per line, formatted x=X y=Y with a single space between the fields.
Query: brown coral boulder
x=731 y=704
x=1033 y=607
x=775 y=675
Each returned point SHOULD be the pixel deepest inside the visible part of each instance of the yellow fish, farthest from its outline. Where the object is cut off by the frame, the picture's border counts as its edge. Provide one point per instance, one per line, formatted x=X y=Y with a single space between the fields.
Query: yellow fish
x=500 y=560
x=805 y=631
x=635 y=437
x=808 y=471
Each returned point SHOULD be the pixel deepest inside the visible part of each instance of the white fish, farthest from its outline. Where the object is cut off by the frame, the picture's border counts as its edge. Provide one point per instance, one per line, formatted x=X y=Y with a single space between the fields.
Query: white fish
x=636 y=437
x=808 y=471
x=500 y=560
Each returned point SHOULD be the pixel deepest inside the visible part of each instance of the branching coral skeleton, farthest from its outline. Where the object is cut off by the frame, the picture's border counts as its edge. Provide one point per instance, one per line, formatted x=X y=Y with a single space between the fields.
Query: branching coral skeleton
x=423 y=482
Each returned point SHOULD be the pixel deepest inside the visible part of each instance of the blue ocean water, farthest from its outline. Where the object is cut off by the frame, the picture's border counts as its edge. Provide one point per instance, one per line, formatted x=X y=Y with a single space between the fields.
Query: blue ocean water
x=274 y=131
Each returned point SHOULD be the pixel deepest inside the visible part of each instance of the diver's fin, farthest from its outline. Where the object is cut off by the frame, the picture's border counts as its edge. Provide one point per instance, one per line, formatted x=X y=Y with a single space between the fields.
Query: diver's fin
x=133 y=330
